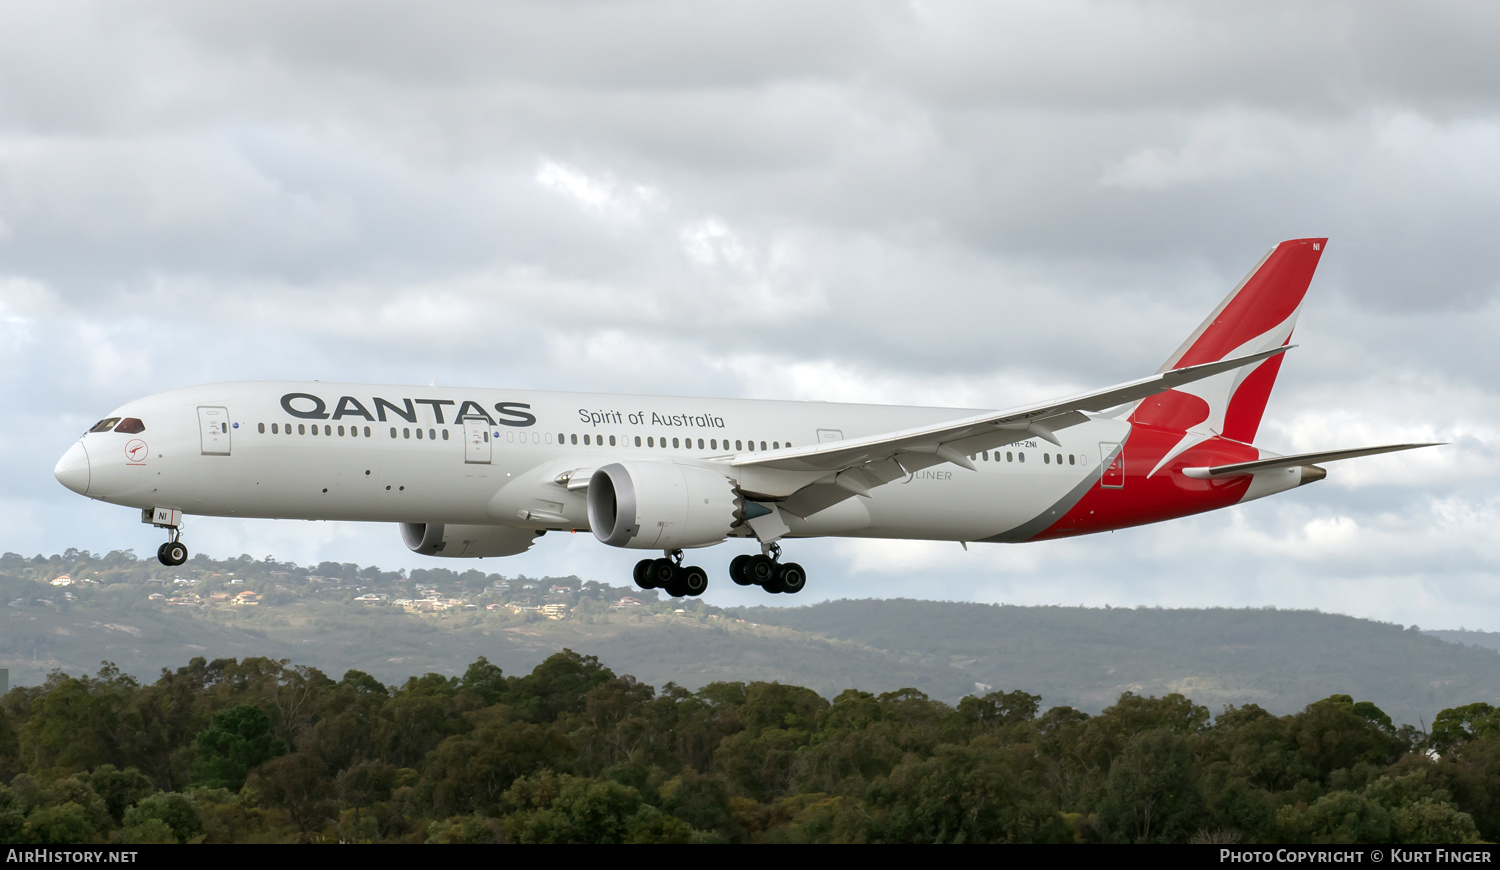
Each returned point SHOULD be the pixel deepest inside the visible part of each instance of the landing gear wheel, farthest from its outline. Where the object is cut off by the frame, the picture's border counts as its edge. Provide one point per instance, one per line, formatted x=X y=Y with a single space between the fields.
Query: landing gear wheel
x=689 y=581
x=172 y=553
x=661 y=574
x=761 y=570
x=739 y=570
x=642 y=574
x=791 y=578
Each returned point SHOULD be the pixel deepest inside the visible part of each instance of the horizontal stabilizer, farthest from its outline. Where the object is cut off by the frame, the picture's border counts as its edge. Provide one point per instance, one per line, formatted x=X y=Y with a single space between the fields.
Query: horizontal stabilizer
x=1210 y=472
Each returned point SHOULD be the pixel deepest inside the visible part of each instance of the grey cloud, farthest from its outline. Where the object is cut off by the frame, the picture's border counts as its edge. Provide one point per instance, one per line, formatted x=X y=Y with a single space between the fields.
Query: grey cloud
x=916 y=202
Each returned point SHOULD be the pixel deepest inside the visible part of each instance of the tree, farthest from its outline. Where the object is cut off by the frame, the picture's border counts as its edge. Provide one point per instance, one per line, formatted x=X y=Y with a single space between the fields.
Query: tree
x=1458 y=725
x=238 y=741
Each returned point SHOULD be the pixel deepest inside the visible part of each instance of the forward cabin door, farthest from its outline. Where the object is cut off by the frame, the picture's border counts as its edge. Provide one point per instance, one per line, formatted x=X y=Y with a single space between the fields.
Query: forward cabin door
x=476 y=442
x=213 y=429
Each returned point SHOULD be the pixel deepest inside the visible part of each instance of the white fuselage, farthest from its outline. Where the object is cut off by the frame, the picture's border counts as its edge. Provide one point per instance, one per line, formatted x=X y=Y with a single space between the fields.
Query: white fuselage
x=494 y=457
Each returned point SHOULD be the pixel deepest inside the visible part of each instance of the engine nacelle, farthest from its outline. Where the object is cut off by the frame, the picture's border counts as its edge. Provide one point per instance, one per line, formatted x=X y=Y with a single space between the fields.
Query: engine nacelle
x=660 y=505
x=471 y=542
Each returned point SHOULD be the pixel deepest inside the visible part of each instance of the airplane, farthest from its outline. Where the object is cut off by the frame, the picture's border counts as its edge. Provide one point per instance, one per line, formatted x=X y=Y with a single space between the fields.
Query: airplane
x=483 y=472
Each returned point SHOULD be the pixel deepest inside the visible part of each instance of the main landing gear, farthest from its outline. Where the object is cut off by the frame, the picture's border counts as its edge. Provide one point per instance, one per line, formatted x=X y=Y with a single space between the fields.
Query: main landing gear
x=174 y=552
x=768 y=572
x=765 y=570
x=668 y=573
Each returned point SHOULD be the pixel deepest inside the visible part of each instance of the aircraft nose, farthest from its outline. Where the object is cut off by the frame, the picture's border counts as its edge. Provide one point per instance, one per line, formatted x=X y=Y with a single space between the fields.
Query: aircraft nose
x=72 y=469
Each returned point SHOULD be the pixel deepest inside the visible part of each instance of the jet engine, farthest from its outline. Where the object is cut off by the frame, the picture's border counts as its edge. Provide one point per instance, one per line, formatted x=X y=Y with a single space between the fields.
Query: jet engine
x=440 y=539
x=660 y=505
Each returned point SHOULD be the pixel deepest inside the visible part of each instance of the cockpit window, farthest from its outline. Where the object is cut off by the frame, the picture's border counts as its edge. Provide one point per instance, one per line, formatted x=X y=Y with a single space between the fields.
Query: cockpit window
x=105 y=425
x=130 y=426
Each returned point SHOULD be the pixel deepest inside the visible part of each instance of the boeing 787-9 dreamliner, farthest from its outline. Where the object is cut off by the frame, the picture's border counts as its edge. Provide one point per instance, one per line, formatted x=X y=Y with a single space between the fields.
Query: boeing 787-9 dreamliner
x=483 y=472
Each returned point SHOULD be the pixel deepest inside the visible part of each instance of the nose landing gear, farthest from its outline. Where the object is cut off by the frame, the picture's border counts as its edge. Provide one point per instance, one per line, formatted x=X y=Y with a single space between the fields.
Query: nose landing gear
x=768 y=572
x=173 y=552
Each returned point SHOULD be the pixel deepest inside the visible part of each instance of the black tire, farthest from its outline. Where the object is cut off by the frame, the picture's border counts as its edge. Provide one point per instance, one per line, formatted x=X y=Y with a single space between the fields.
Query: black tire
x=662 y=573
x=792 y=579
x=642 y=575
x=677 y=586
x=739 y=570
x=761 y=570
x=176 y=553
x=161 y=555
x=694 y=581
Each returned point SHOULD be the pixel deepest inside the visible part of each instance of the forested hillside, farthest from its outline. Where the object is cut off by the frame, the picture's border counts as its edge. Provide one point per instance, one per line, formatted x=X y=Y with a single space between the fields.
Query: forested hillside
x=339 y=617
x=260 y=751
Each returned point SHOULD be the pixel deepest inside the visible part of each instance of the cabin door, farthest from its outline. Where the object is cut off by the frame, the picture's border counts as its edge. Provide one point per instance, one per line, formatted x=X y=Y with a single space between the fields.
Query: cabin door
x=213 y=429
x=476 y=442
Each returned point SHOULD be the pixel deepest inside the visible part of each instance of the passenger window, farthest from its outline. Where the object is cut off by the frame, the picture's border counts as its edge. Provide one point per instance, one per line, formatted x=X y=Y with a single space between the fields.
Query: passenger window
x=775 y=445
x=674 y=443
x=1047 y=458
x=575 y=439
x=419 y=434
x=275 y=430
x=1009 y=457
x=261 y=428
x=611 y=440
x=393 y=431
x=341 y=430
x=739 y=446
x=445 y=434
x=763 y=445
x=1071 y=460
x=700 y=443
x=301 y=428
x=406 y=433
x=1021 y=457
x=637 y=440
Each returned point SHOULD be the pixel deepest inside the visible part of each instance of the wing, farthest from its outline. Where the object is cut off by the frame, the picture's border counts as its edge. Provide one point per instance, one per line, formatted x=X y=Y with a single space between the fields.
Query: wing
x=855 y=465
x=1210 y=472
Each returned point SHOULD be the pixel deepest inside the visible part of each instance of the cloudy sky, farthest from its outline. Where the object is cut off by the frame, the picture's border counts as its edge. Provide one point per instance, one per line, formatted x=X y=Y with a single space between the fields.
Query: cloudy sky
x=941 y=203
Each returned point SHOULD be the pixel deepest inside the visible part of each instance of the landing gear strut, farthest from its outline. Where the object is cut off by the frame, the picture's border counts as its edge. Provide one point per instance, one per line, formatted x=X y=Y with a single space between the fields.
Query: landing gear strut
x=669 y=573
x=173 y=552
x=768 y=572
